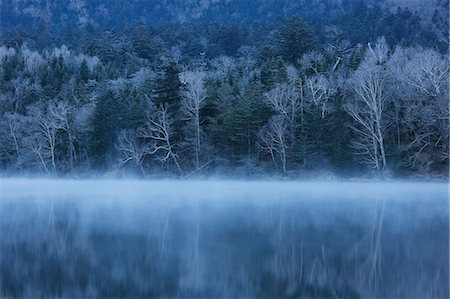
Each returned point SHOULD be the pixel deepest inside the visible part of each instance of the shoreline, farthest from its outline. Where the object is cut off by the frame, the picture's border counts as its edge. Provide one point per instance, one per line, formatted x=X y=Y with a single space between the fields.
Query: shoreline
x=256 y=178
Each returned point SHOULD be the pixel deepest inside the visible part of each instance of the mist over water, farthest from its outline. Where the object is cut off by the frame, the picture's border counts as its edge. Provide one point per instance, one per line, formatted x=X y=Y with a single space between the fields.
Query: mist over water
x=94 y=238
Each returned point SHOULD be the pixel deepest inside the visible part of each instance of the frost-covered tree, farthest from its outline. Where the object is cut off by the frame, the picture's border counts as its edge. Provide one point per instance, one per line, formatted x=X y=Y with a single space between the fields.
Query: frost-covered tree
x=391 y=105
x=319 y=90
x=11 y=139
x=193 y=100
x=158 y=130
x=132 y=148
x=368 y=104
x=312 y=62
x=420 y=83
x=272 y=140
x=47 y=123
x=285 y=101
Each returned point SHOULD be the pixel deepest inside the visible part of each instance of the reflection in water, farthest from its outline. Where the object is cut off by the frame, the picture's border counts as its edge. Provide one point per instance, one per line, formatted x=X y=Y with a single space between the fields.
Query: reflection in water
x=223 y=239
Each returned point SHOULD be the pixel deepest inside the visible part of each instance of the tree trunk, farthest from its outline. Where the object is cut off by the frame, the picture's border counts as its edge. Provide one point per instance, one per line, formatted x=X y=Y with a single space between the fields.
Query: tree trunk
x=175 y=160
x=381 y=143
x=283 y=159
x=197 y=149
x=16 y=145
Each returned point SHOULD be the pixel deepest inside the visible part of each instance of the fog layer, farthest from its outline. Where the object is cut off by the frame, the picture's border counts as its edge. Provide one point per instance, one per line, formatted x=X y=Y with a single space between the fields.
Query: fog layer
x=223 y=239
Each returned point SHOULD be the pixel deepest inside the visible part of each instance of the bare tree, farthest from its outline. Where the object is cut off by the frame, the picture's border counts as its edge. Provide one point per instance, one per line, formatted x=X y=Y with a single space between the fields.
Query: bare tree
x=427 y=71
x=159 y=130
x=319 y=90
x=61 y=113
x=132 y=148
x=193 y=100
x=47 y=122
x=337 y=48
x=285 y=101
x=273 y=139
x=378 y=53
x=11 y=139
x=367 y=108
x=312 y=61
x=223 y=66
x=21 y=87
x=40 y=148
x=420 y=80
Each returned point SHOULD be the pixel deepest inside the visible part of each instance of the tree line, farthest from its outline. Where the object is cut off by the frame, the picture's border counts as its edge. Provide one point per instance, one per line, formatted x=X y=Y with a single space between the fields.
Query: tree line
x=290 y=105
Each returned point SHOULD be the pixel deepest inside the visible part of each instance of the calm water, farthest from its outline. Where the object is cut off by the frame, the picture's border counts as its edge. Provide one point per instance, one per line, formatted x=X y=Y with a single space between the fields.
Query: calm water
x=223 y=239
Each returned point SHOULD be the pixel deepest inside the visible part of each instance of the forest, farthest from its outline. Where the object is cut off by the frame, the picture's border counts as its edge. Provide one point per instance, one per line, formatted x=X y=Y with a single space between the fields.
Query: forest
x=307 y=88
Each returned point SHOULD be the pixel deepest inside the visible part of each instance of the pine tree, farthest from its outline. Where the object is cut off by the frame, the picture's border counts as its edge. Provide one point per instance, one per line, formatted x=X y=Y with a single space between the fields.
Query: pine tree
x=296 y=39
x=100 y=140
x=167 y=90
x=251 y=114
x=339 y=148
x=110 y=116
x=239 y=118
x=133 y=114
x=84 y=71
x=273 y=71
x=222 y=125
x=356 y=58
x=142 y=39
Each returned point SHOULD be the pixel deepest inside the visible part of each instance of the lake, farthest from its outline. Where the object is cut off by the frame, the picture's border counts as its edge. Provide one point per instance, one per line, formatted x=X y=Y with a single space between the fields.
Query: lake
x=252 y=239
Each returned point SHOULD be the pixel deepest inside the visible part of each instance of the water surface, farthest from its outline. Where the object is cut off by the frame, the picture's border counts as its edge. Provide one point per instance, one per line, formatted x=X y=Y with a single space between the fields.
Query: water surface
x=67 y=238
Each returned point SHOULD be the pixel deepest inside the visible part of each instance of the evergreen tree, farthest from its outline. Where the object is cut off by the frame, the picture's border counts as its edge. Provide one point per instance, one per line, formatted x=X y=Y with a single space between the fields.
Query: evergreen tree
x=222 y=125
x=273 y=71
x=240 y=116
x=132 y=115
x=84 y=71
x=109 y=118
x=251 y=114
x=145 y=44
x=100 y=139
x=356 y=58
x=338 y=132
x=167 y=89
x=296 y=38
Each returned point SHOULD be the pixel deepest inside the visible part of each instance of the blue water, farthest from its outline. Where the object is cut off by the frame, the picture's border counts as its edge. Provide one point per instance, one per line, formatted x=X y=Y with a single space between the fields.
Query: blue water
x=94 y=238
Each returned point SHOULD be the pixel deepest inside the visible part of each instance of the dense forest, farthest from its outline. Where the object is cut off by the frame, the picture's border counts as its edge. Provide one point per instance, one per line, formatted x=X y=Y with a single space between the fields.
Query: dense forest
x=249 y=88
